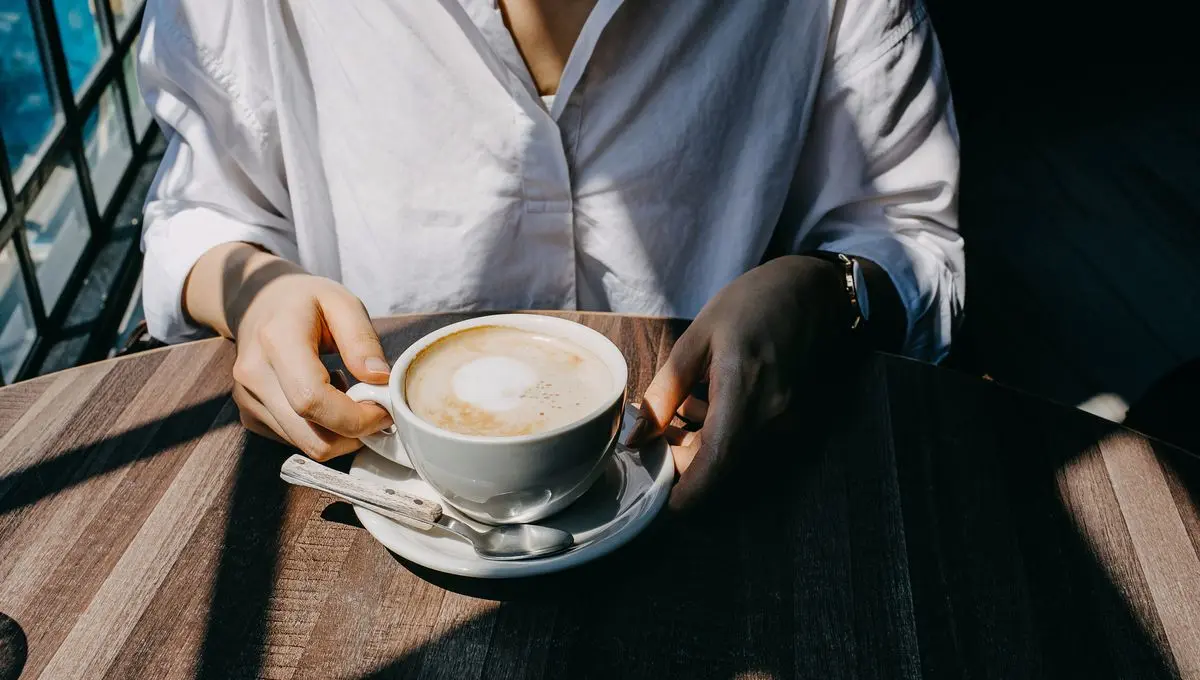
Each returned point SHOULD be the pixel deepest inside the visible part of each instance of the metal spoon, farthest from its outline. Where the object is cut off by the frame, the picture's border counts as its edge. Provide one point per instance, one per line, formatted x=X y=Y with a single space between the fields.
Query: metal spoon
x=507 y=542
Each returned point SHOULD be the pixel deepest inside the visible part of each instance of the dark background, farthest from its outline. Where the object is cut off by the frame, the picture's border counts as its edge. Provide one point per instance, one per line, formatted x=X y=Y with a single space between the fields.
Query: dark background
x=1080 y=191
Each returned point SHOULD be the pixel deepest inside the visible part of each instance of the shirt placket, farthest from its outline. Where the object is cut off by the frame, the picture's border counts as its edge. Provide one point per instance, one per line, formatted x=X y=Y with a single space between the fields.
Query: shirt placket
x=547 y=167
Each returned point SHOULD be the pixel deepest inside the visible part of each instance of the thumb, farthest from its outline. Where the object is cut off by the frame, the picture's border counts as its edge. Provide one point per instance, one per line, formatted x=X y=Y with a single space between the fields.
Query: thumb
x=669 y=388
x=356 y=339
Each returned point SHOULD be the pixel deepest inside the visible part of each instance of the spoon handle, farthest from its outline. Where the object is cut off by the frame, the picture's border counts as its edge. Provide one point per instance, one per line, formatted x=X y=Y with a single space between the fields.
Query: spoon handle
x=395 y=505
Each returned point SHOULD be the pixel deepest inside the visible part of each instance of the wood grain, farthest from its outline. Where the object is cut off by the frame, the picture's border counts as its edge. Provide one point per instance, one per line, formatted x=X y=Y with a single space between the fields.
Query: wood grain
x=902 y=522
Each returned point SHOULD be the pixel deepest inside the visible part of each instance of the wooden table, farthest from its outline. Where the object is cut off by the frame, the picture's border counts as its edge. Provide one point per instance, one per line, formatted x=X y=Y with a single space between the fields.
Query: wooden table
x=913 y=523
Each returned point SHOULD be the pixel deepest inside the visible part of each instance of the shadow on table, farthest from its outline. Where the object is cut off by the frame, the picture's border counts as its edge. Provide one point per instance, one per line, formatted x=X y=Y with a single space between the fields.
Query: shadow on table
x=1020 y=561
x=236 y=630
x=925 y=560
x=28 y=485
x=919 y=544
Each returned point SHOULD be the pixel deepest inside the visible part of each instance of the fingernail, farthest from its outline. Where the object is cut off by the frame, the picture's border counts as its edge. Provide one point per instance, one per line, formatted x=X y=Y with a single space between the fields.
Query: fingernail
x=376 y=365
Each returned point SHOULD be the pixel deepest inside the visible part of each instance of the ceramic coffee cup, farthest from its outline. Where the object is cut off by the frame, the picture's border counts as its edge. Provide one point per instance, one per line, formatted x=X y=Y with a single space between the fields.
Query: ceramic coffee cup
x=503 y=480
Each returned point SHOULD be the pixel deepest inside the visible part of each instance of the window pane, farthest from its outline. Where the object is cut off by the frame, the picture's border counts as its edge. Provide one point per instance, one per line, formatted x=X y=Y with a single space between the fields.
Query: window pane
x=83 y=41
x=17 y=331
x=106 y=144
x=141 y=113
x=27 y=111
x=57 y=231
x=123 y=11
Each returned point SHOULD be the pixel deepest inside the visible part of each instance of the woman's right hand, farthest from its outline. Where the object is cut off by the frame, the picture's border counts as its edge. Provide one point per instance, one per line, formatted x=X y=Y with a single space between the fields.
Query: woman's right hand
x=282 y=319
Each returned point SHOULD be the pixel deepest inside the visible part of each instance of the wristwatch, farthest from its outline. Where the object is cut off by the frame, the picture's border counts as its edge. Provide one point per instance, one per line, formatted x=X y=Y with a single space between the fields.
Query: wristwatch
x=856 y=287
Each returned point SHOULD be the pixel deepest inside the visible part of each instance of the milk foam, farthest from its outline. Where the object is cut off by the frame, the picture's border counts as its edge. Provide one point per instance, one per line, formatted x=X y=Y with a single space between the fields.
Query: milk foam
x=494 y=383
x=500 y=381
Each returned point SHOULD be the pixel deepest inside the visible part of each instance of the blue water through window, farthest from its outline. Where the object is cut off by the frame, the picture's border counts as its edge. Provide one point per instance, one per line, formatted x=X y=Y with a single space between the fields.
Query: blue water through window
x=27 y=108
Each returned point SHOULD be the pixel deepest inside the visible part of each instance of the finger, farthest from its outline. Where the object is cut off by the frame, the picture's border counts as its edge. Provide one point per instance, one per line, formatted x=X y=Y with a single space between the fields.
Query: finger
x=730 y=390
x=670 y=387
x=677 y=436
x=291 y=351
x=694 y=409
x=355 y=337
x=684 y=451
x=255 y=417
x=315 y=441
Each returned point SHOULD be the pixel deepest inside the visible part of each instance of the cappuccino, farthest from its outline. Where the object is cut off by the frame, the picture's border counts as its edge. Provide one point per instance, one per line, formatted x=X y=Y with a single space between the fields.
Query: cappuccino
x=498 y=381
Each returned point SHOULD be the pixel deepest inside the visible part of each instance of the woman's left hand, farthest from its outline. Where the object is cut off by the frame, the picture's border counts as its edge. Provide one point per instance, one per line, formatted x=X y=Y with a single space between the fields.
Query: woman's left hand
x=748 y=343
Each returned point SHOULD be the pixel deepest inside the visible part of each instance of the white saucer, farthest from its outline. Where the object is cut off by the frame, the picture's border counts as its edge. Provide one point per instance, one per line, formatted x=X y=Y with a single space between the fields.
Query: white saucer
x=622 y=503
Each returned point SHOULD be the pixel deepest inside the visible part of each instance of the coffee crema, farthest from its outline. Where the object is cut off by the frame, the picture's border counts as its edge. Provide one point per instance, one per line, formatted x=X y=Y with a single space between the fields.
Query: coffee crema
x=498 y=381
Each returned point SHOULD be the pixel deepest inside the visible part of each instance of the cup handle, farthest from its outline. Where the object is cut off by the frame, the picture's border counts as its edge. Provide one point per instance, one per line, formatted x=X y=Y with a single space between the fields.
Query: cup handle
x=386 y=444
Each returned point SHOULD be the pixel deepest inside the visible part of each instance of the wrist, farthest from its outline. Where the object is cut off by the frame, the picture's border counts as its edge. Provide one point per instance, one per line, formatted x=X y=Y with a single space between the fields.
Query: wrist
x=225 y=280
x=884 y=325
x=821 y=295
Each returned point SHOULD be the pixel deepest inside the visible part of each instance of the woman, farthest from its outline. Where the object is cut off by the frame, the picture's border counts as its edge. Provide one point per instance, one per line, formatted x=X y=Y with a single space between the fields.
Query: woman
x=730 y=162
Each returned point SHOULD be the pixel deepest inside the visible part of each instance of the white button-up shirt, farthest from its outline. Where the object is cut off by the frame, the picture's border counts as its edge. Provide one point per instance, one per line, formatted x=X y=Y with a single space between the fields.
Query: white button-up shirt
x=401 y=147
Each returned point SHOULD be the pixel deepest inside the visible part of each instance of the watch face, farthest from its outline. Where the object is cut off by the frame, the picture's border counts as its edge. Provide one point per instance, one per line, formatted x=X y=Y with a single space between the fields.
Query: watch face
x=860 y=286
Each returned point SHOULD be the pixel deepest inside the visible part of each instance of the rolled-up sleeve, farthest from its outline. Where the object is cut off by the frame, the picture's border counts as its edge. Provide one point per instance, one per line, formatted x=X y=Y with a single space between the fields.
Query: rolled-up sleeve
x=880 y=168
x=221 y=178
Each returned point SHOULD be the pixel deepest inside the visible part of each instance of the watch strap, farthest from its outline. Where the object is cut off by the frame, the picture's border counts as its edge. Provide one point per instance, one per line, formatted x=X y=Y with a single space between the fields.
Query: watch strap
x=850 y=278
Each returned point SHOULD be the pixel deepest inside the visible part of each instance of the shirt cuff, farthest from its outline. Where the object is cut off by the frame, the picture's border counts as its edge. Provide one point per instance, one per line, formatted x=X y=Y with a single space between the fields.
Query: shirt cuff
x=172 y=244
x=931 y=295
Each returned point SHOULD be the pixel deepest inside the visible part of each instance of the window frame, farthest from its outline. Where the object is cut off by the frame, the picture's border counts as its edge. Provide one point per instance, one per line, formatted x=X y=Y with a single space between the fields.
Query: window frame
x=66 y=139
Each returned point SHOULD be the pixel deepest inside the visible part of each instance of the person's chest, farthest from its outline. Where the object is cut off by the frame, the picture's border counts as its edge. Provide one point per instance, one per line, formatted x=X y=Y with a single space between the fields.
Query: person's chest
x=426 y=125
x=440 y=88
x=545 y=32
